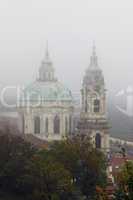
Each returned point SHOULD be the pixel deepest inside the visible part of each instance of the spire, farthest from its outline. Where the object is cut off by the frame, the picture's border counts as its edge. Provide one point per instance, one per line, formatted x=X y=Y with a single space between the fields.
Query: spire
x=94 y=49
x=46 y=70
x=46 y=58
x=93 y=58
x=47 y=51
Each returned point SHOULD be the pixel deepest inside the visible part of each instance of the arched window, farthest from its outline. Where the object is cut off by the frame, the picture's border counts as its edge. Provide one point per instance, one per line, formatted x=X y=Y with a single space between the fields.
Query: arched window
x=66 y=125
x=46 y=125
x=56 y=125
x=96 y=105
x=98 y=141
x=37 y=125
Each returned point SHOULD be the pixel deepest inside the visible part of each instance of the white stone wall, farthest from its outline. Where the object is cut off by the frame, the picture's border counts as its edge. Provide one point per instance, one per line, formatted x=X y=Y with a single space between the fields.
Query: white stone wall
x=50 y=110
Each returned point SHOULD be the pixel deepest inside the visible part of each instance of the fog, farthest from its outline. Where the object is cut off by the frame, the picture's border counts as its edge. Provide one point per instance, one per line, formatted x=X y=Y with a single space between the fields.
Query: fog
x=70 y=27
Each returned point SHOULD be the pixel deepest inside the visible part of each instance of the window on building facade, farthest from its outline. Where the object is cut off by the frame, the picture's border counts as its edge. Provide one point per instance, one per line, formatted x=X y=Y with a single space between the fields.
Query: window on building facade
x=46 y=125
x=98 y=141
x=96 y=105
x=37 y=125
x=66 y=125
x=56 y=125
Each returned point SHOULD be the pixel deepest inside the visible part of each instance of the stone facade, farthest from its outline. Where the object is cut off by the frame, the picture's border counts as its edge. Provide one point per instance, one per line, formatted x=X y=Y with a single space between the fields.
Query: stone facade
x=46 y=117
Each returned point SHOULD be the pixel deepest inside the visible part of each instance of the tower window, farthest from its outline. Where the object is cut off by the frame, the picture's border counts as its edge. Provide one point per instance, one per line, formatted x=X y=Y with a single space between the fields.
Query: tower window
x=56 y=125
x=98 y=141
x=37 y=125
x=96 y=105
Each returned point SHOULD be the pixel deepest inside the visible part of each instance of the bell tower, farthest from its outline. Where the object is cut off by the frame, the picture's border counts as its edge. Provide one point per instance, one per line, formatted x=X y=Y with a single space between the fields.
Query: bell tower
x=93 y=119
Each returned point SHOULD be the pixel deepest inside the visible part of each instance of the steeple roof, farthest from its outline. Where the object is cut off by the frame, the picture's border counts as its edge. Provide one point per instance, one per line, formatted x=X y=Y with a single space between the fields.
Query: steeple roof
x=46 y=70
x=93 y=77
x=47 y=55
x=47 y=87
x=93 y=59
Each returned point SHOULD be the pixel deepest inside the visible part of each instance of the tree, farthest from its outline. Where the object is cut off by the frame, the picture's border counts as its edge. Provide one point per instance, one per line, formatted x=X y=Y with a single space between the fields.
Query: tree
x=15 y=154
x=67 y=170
x=49 y=180
x=125 y=182
x=86 y=164
x=25 y=173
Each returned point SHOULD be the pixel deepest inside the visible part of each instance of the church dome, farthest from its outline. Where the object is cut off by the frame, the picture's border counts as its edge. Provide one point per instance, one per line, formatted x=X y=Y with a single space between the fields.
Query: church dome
x=47 y=91
x=46 y=88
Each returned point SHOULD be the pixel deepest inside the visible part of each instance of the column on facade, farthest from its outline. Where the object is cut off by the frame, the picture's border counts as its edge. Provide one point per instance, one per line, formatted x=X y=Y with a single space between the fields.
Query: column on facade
x=22 y=118
x=70 y=124
x=92 y=105
x=101 y=105
x=29 y=124
x=62 y=125
x=106 y=140
x=104 y=104
x=92 y=138
x=25 y=124
x=43 y=125
x=67 y=129
x=102 y=140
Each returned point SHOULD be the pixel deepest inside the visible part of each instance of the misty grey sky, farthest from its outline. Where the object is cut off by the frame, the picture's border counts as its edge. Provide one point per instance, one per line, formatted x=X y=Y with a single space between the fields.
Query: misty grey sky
x=70 y=26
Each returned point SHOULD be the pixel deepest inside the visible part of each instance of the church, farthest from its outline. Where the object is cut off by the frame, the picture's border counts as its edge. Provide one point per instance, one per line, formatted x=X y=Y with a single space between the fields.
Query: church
x=47 y=106
x=93 y=116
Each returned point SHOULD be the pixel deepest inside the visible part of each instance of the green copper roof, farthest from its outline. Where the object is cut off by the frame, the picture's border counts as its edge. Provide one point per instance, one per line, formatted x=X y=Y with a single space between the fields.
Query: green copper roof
x=47 y=91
